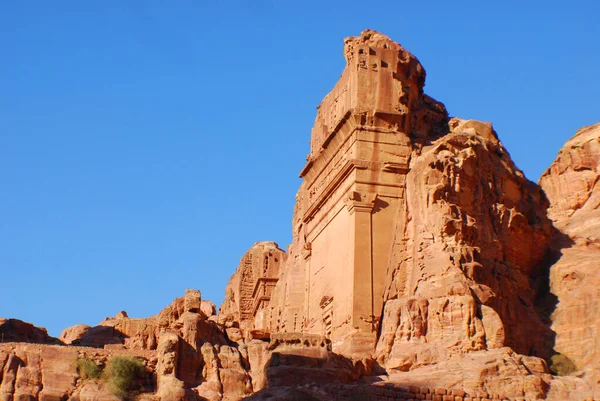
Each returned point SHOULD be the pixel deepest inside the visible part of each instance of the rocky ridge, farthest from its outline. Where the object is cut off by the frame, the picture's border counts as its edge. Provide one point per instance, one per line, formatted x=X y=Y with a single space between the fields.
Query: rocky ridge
x=464 y=280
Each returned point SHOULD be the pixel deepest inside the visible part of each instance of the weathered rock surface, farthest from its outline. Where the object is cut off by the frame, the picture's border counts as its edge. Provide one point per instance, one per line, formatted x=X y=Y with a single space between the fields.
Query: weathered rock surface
x=353 y=189
x=250 y=289
x=74 y=333
x=572 y=184
x=473 y=232
x=20 y=331
x=49 y=372
x=187 y=316
x=36 y=372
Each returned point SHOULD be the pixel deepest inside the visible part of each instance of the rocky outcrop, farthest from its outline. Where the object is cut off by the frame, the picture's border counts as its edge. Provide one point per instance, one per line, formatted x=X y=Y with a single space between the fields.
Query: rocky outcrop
x=44 y=373
x=572 y=184
x=249 y=290
x=438 y=235
x=474 y=232
x=50 y=372
x=20 y=331
x=186 y=351
x=74 y=334
x=190 y=317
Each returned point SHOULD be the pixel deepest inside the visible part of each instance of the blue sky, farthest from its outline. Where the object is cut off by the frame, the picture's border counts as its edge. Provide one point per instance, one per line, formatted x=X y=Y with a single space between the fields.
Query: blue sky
x=145 y=145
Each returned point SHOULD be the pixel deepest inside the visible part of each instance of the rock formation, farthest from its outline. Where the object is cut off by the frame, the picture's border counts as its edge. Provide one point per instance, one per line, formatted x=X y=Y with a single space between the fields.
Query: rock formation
x=435 y=229
x=20 y=331
x=353 y=190
x=572 y=184
x=473 y=233
x=250 y=288
x=424 y=265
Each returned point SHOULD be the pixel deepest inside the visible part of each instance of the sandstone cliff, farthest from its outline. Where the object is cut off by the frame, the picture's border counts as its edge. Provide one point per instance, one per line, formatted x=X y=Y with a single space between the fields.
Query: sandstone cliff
x=472 y=235
x=572 y=184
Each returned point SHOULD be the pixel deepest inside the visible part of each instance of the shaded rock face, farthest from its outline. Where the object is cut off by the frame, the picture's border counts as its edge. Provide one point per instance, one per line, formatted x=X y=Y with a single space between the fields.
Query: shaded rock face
x=74 y=334
x=572 y=184
x=20 y=331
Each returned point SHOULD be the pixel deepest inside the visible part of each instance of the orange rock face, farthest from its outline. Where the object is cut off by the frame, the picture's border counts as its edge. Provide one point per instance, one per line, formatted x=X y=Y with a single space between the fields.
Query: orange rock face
x=409 y=223
x=472 y=232
x=188 y=316
x=416 y=240
x=353 y=190
x=45 y=373
x=20 y=331
x=572 y=184
x=250 y=288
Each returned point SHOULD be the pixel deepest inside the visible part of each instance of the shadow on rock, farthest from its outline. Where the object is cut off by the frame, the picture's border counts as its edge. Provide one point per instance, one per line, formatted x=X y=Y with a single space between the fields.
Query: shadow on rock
x=545 y=301
x=296 y=376
x=15 y=330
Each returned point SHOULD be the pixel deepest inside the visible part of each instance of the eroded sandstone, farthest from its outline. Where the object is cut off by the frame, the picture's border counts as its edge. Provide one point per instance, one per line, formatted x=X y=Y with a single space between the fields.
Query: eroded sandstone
x=572 y=184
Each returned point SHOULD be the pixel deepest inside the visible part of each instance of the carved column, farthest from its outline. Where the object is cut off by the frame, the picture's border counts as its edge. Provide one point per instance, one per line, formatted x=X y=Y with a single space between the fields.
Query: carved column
x=361 y=207
x=306 y=254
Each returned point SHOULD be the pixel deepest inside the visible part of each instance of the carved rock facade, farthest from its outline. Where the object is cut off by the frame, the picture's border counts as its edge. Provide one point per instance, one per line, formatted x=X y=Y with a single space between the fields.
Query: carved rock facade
x=352 y=194
x=411 y=217
x=250 y=289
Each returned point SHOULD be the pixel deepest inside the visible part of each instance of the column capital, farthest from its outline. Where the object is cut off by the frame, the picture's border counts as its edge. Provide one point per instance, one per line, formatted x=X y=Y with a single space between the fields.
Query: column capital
x=357 y=202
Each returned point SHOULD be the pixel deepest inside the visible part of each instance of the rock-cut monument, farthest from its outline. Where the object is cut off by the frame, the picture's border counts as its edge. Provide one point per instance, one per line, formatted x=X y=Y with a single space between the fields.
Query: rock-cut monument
x=396 y=206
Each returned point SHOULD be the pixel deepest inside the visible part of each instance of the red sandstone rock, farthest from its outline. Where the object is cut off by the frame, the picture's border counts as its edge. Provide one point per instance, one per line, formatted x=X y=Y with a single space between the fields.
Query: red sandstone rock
x=47 y=373
x=474 y=230
x=572 y=184
x=74 y=333
x=20 y=331
x=352 y=193
x=425 y=213
x=250 y=288
x=187 y=316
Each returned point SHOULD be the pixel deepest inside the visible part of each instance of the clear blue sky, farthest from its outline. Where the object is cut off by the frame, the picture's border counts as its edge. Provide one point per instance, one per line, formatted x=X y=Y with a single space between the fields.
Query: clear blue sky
x=145 y=145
